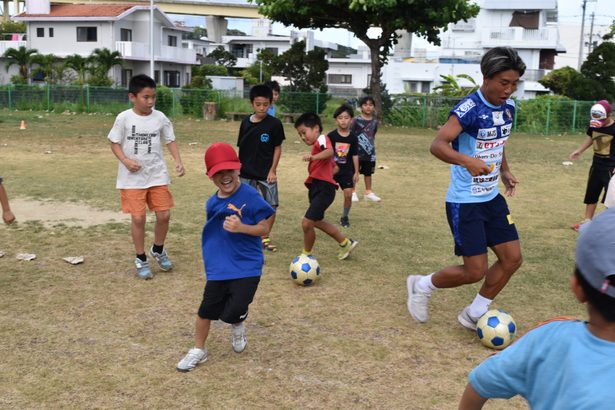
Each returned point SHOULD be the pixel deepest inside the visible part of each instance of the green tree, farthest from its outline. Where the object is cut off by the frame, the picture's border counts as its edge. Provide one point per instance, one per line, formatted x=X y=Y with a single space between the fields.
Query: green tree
x=450 y=86
x=306 y=72
x=561 y=80
x=22 y=57
x=45 y=63
x=260 y=71
x=102 y=60
x=79 y=65
x=223 y=57
x=600 y=63
x=10 y=27
x=422 y=17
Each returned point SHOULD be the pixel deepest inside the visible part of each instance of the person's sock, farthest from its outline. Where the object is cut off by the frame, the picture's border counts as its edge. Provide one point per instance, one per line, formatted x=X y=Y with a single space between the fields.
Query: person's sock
x=344 y=242
x=157 y=248
x=479 y=306
x=425 y=284
x=142 y=257
x=306 y=252
x=346 y=212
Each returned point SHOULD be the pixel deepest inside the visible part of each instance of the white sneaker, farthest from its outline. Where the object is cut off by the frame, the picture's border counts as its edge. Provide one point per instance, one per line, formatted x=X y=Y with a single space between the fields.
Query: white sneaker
x=239 y=339
x=194 y=357
x=371 y=197
x=417 y=301
x=466 y=319
x=355 y=197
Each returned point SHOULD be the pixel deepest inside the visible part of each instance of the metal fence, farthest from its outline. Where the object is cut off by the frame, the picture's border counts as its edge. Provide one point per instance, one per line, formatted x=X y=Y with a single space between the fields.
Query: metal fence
x=537 y=116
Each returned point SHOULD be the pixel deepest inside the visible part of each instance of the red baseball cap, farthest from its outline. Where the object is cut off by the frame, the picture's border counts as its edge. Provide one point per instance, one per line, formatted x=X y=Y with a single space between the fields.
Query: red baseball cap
x=220 y=156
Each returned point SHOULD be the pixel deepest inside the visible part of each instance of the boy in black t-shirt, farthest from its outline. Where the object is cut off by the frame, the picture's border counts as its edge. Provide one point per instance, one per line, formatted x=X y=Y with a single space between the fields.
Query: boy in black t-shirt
x=345 y=148
x=601 y=133
x=260 y=147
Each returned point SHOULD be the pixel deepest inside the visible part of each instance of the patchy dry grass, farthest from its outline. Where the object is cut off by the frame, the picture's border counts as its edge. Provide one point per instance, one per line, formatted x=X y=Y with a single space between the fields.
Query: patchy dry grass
x=94 y=336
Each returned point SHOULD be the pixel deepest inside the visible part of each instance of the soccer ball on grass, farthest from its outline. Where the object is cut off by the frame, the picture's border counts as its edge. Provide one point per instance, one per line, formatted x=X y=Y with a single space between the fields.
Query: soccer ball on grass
x=496 y=329
x=304 y=270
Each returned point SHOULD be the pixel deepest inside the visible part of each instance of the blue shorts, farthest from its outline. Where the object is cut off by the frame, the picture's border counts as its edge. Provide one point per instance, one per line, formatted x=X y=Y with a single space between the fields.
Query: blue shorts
x=476 y=226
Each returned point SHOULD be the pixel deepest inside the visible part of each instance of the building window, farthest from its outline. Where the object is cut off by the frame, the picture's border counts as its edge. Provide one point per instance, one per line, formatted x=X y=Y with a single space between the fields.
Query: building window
x=171 y=78
x=416 y=87
x=87 y=34
x=50 y=31
x=273 y=50
x=40 y=32
x=157 y=76
x=125 y=34
x=172 y=41
x=126 y=76
x=241 y=50
x=339 y=79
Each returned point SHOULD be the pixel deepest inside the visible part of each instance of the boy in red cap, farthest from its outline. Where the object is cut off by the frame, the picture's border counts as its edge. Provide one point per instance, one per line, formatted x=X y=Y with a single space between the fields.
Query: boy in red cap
x=600 y=133
x=237 y=217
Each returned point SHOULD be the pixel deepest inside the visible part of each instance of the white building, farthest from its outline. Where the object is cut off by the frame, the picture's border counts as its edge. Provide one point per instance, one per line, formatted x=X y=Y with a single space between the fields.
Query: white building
x=67 y=29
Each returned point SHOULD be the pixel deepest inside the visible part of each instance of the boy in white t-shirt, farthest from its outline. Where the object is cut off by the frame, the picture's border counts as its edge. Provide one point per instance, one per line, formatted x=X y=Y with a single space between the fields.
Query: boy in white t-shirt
x=136 y=140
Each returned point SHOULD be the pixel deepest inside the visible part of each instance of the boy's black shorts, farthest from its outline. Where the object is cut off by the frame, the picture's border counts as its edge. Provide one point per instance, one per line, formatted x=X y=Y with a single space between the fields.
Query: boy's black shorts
x=228 y=300
x=321 y=194
x=597 y=181
x=367 y=168
x=344 y=180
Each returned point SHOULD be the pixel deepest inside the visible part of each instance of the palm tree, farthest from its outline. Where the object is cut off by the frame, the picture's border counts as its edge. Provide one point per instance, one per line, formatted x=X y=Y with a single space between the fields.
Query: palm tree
x=21 y=56
x=80 y=65
x=450 y=86
x=102 y=60
x=45 y=64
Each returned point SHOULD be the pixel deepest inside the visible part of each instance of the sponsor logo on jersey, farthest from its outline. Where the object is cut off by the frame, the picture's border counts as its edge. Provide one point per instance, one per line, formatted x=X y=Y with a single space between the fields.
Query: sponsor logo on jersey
x=498 y=117
x=505 y=130
x=234 y=208
x=487 y=133
x=464 y=108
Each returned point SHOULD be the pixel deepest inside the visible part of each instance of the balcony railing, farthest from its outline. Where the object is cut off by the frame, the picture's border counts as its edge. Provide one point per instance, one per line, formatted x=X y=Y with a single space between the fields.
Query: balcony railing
x=520 y=37
x=5 y=45
x=132 y=49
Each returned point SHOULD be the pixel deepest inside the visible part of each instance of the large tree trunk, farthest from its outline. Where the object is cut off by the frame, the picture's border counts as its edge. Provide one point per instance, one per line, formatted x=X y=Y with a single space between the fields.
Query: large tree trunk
x=378 y=50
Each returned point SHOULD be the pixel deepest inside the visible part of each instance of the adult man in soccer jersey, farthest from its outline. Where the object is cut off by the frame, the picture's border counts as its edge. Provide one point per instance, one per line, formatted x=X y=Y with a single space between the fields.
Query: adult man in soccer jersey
x=473 y=141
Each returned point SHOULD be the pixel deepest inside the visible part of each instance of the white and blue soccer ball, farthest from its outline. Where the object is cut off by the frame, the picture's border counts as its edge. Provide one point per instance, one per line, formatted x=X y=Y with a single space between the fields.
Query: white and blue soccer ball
x=305 y=270
x=496 y=329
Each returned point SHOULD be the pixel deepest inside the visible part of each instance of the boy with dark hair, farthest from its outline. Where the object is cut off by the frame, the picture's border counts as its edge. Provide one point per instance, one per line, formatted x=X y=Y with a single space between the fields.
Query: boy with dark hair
x=136 y=140
x=237 y=216
x=321 y=186
x=346 y=171
x=600 y=136
x=473 y=141
x=365 y=126
x=563 y=364
x=275 y=93
x=260 y=148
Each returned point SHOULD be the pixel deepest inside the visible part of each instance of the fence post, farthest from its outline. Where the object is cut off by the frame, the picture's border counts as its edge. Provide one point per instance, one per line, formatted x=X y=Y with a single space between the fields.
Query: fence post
x=424 y=112
x=87 y=98
x=548 y=117
x=574 y=116
x=48 y=97
x=10 y=97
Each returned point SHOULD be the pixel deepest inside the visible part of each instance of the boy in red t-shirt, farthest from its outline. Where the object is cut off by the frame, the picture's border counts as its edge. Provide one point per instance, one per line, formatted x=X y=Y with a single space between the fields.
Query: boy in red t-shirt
x=321 y=186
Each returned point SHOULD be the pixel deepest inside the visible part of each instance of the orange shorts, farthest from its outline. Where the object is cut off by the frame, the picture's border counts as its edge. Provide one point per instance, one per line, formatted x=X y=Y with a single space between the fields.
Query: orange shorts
x=157 y=198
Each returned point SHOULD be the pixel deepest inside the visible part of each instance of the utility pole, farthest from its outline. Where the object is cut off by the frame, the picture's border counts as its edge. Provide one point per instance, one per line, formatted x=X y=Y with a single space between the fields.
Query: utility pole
x=591 y=34
x=581 y=42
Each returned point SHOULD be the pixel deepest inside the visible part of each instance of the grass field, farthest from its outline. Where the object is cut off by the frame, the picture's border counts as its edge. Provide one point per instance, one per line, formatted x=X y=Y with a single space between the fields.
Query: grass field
x=95 y=336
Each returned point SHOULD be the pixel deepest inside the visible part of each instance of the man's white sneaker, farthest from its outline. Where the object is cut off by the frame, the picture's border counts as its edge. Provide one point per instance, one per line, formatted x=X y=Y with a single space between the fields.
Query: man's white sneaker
x=355 y=197
x=466 y=319
x=194 y=357
x=371 y=197
x=417 y=301
x=239 y=340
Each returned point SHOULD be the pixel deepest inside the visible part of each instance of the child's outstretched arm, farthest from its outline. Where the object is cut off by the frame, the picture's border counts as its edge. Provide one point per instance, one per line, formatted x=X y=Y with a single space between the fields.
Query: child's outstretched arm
x=7 y=214
x=586 y=144
x=179 y=166
x=233 y=224
x=471 y=400
x=131 y=164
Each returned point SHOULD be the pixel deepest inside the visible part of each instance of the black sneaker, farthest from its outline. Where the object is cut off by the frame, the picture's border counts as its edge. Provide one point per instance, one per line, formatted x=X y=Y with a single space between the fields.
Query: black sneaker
x=344 y=221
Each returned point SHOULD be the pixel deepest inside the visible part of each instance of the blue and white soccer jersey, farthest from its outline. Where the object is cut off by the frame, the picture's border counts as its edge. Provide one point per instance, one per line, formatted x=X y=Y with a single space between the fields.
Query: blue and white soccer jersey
x=486 y=128
x=477 y=214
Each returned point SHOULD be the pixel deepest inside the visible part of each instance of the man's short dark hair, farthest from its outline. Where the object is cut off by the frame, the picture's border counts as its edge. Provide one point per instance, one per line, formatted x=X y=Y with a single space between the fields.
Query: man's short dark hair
x=500 y=59
x=139 y=82
x=603 y=303
x=310 y=120
x=366 y=99
x=343 y=108
x=261 y=90
x=274 y=85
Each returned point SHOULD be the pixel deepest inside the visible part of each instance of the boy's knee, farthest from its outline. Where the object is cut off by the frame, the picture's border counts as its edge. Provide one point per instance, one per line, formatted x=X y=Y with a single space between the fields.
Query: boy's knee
x=163 y=216
x=307 y=224
x=138 y=220
x=512 y=264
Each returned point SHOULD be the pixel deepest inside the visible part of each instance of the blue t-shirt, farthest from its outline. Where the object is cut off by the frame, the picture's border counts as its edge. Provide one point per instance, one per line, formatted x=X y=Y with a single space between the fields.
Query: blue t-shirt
x=271 y=110
x=228 y=255
x=486 y=127
x=559 y=365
